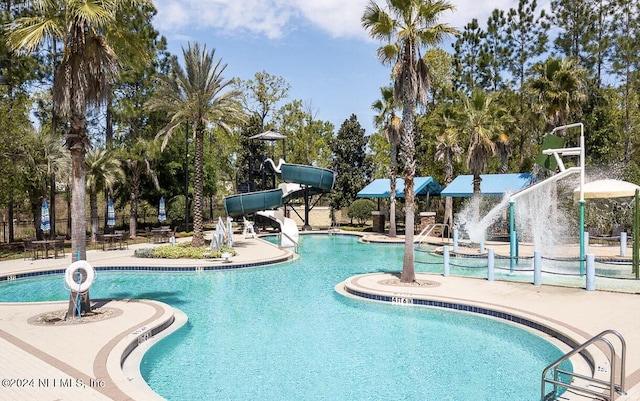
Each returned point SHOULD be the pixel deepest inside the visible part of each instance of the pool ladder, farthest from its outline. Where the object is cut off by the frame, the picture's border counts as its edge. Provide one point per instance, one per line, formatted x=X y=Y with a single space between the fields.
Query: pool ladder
x=334 y=228
x=294 y=242
x=609 y=384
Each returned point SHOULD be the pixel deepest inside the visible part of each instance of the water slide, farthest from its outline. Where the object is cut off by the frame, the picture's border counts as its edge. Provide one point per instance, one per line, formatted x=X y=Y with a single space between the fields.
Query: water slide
x=296 y=179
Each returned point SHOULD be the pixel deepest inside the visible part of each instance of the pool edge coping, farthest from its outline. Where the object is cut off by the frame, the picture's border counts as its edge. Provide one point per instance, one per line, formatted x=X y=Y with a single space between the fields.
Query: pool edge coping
x=565 y=334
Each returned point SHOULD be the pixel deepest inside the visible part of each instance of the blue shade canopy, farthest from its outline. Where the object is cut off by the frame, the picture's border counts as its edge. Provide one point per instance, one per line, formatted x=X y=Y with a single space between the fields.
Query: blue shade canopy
x=491 y=184
x=45 y=220
x=111 y=214
x=162 y=211
x=381 y=188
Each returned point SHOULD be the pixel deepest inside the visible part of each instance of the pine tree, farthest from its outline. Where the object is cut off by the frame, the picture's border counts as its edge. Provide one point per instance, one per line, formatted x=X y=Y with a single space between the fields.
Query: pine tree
x=350 y=162
x=526 y=38
x=494 y=51
x=468 y=50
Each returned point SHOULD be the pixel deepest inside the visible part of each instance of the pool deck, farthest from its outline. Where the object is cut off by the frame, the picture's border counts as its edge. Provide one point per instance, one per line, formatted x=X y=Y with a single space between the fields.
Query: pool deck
x=83 y=361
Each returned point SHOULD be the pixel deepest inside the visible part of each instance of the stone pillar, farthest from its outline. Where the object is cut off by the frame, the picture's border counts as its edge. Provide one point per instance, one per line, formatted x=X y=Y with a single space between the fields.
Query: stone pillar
x=378 y=221
x=427 y=218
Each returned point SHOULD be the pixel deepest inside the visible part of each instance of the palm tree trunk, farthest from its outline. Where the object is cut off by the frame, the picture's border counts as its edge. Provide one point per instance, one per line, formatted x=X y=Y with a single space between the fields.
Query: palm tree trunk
x=133 y=204
x=393 y=177
x=392 y=211
x=52 y=206
x=408 y=269
x=448 y=201
x=407 y=152
x=198 y=236
x=448 y=215
x=78 y=218
x=476 y=197
x=93 y=205
x=78 y=210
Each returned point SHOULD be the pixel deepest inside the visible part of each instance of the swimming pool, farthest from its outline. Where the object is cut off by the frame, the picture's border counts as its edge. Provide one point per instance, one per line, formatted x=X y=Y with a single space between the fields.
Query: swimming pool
x=282 y=333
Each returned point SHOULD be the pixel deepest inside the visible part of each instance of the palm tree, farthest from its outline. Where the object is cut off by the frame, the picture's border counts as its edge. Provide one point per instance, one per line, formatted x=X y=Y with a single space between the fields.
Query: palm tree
x=46 y=156
x=103 y=170
x=561 y=89
x=480 y=121
x=503 y=142
x=136 y=159
x=58 y=162
x=197 y=96
x=392 y=126
x=448 y=150
x=88 y=63
x=407 y=26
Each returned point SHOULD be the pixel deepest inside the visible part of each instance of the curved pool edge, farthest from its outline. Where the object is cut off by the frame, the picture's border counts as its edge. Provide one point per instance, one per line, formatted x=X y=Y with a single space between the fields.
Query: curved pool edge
x=135 y=384
x=370 y=287
x=116 y=359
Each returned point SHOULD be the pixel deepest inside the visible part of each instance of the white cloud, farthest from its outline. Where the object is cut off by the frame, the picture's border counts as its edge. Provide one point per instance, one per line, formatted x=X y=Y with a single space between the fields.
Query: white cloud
x=467 y=10
x=268 y=17
x=276 y=18
x=340 y=18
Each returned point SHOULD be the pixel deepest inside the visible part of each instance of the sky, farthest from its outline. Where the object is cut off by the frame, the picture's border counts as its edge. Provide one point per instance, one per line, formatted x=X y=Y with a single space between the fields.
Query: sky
x=318 y=46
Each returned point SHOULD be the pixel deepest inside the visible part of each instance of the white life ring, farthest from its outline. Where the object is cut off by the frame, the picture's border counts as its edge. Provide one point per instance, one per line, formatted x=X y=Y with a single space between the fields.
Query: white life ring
x=70 y=276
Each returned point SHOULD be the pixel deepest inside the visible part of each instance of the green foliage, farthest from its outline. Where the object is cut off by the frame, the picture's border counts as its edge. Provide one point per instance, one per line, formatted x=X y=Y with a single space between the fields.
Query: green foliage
x=380 y=149
x=307 y=138
x=361 y=210
x=176 y=208
x=180 y=251
x=143 y=253
x=350 y=162
x=183 y=250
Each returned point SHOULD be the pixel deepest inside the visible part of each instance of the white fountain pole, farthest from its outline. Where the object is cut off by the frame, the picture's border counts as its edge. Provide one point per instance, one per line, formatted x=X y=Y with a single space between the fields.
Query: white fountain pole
x=581 y=152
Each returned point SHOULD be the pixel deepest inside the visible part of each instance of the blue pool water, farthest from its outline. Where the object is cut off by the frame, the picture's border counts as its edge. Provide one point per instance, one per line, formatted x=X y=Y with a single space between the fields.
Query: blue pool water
x=282 y=333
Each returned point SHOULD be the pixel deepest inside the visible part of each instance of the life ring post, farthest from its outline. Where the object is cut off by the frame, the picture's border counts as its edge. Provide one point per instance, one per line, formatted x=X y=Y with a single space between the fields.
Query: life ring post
x=79 y=277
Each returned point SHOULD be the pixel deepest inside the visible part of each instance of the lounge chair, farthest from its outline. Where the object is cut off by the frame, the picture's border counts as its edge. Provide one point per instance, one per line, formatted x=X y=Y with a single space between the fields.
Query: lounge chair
x=248 y=230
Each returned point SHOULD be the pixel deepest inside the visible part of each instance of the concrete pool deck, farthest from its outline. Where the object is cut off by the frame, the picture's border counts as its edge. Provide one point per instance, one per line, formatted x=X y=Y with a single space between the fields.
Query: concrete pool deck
x=83 y=361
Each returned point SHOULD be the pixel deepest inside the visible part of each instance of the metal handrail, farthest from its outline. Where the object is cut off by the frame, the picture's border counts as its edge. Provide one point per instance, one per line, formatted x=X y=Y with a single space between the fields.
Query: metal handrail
x=334 y=228
x=294 y=242
x=611 y=383
x=428 y=229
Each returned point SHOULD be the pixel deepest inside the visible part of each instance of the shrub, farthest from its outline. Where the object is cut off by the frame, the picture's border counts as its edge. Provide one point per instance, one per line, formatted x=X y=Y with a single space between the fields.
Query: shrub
x=143 y=253
x=361 y=210
x=182 y=250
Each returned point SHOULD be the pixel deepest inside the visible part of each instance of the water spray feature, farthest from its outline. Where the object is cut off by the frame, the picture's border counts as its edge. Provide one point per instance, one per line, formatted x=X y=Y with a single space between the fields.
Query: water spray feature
x=543 y=215
x=557 y=153
x=469 y=221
